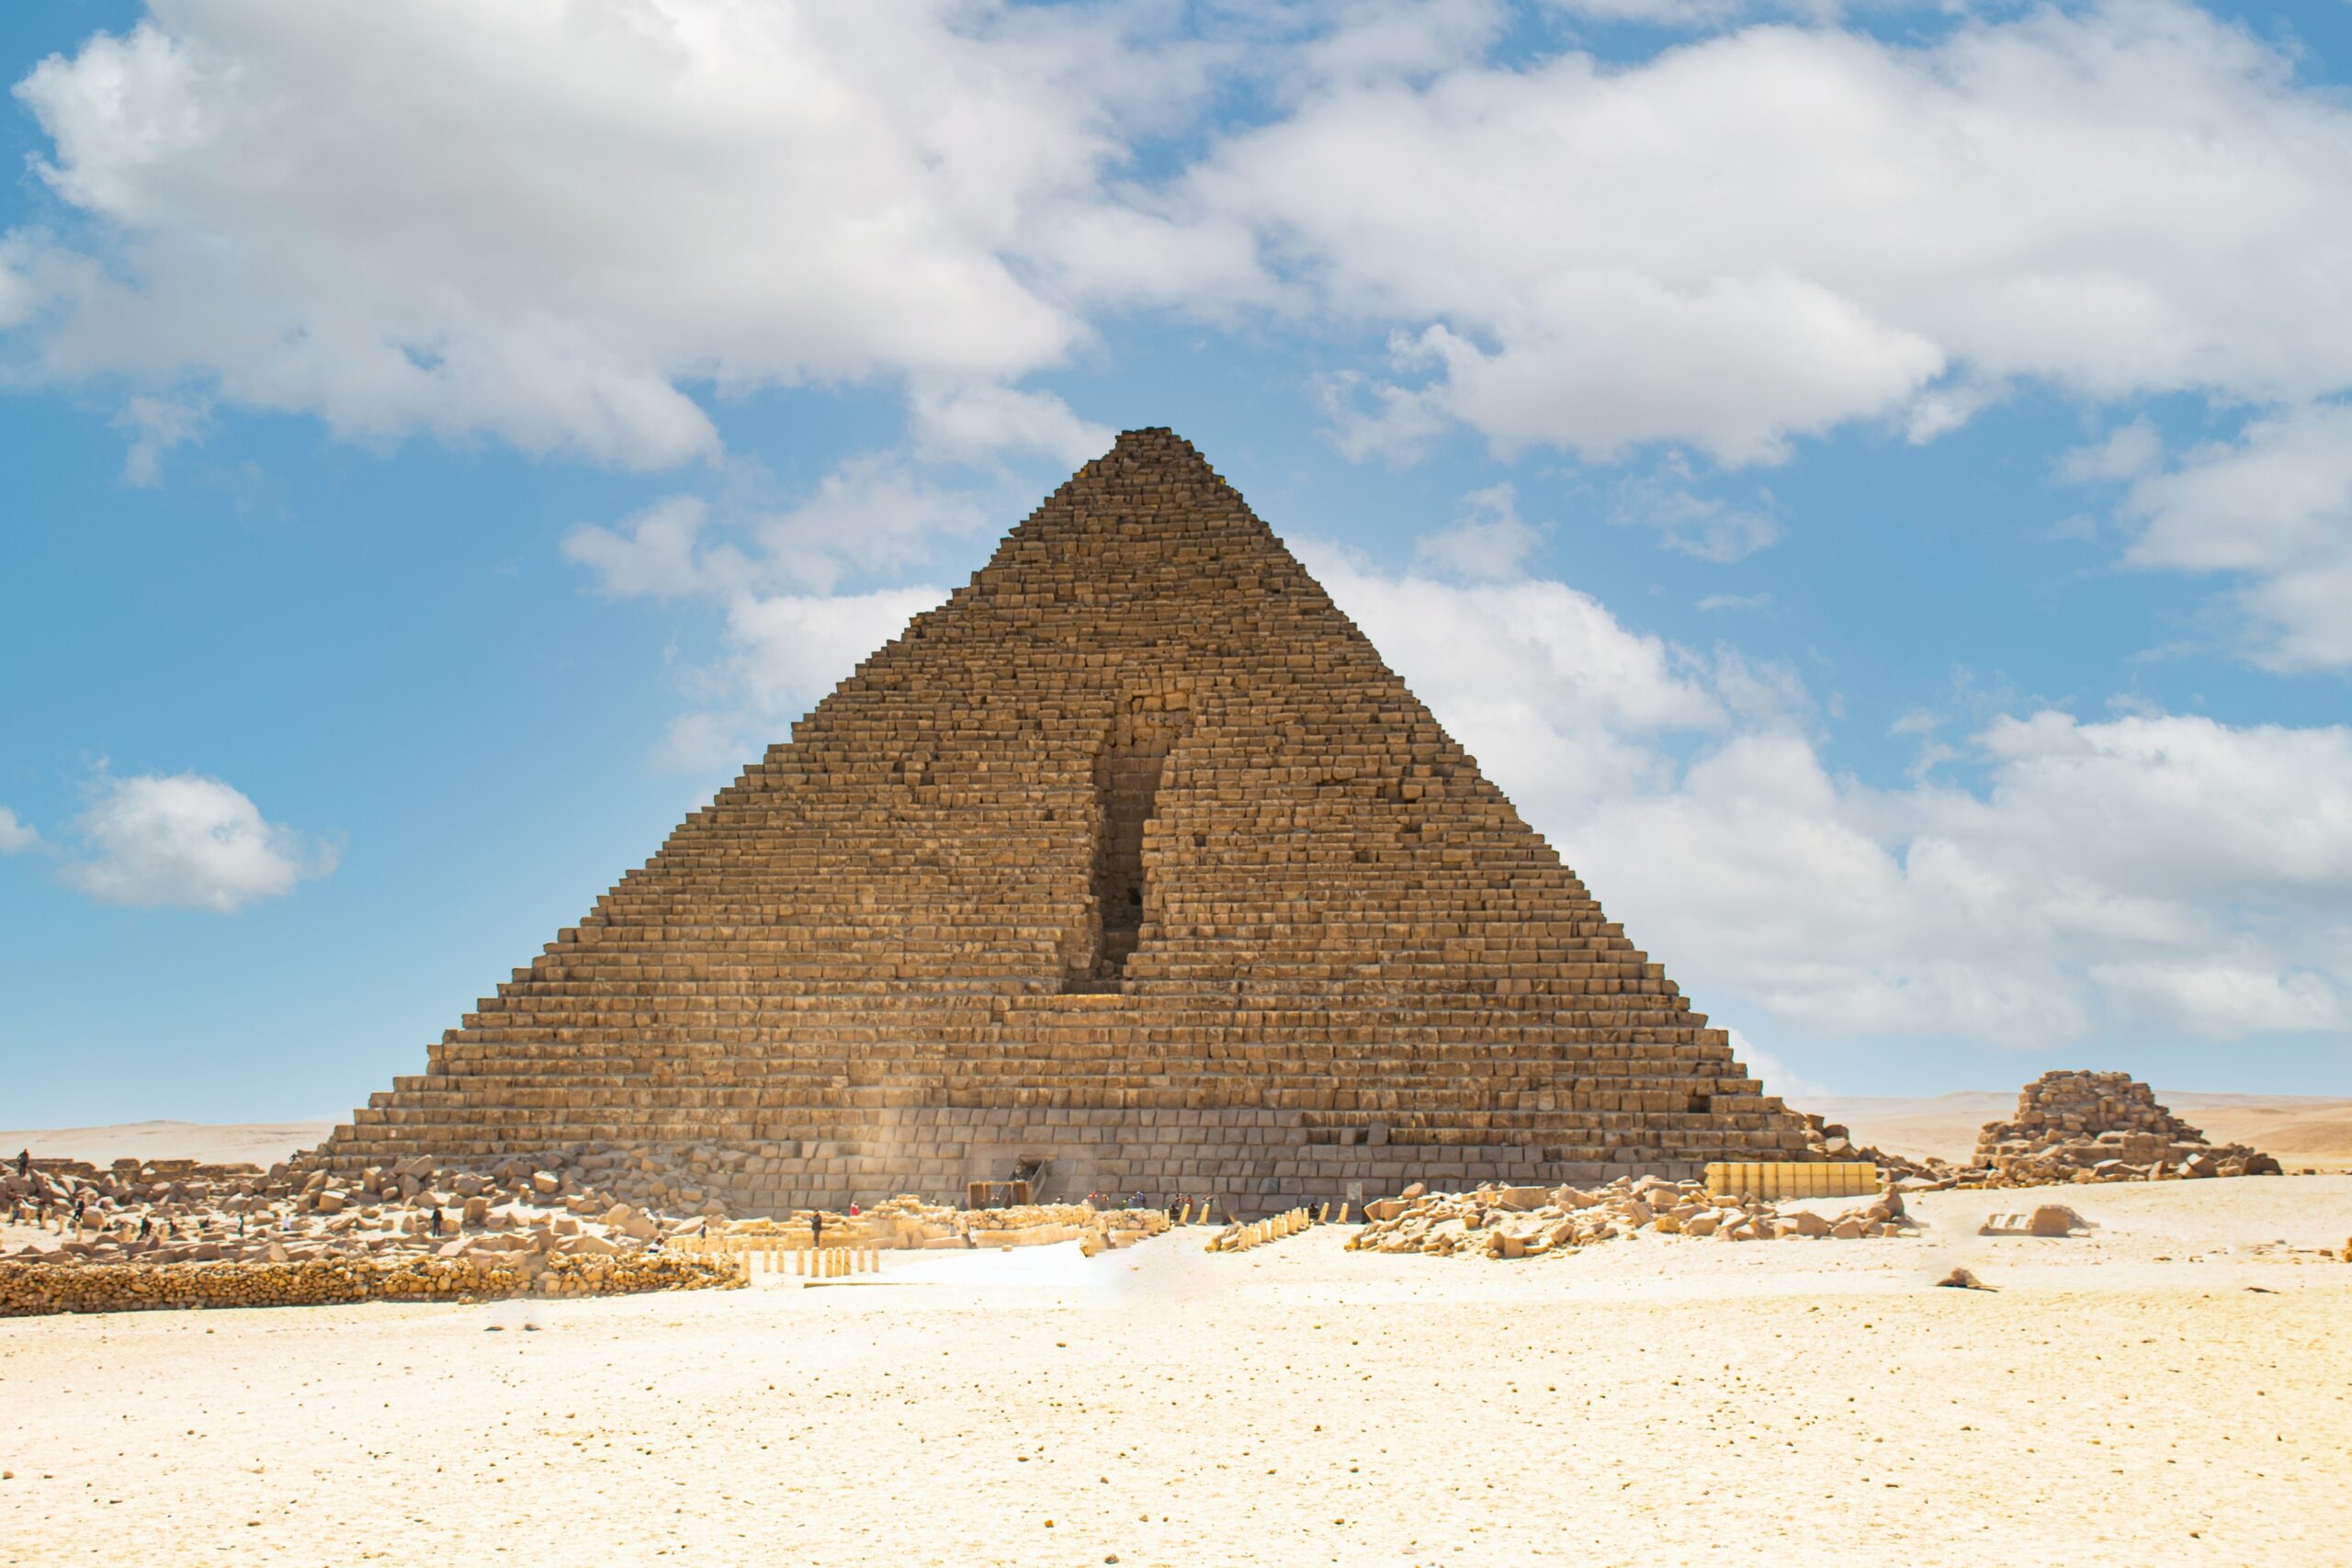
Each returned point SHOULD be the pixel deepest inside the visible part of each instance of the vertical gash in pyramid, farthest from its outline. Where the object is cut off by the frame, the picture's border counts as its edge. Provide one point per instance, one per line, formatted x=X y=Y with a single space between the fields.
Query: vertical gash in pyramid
x=1132 y=859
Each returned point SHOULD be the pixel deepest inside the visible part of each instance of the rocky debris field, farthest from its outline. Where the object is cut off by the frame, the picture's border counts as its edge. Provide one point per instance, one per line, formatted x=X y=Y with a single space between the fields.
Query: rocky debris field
x=176 y=1211
x=174 y=1233
x=1530 y=1221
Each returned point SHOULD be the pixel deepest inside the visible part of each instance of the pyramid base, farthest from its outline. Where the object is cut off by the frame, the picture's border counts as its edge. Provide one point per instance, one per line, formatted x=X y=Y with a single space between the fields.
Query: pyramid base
x=1249 y=1160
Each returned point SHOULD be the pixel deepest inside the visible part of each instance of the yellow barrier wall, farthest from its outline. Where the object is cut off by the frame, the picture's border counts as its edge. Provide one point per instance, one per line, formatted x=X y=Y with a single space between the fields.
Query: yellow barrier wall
x=1771 y=1180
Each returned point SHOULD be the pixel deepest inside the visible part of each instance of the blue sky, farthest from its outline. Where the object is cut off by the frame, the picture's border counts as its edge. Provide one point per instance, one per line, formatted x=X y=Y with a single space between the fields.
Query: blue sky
x=1874 y=485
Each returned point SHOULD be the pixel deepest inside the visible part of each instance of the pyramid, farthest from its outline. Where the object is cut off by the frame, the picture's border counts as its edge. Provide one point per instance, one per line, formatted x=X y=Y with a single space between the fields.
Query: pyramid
x=1132 y=865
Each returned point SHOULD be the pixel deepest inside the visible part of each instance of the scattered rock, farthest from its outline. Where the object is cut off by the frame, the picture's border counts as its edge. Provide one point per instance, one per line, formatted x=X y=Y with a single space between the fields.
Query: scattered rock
x=1506 y=1222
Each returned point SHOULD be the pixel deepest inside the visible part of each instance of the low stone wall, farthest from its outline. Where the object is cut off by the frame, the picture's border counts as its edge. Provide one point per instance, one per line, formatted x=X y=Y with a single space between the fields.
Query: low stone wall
x=29 y=1289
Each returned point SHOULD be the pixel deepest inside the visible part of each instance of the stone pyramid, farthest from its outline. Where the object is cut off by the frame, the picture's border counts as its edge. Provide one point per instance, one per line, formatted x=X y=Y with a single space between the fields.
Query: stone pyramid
x=1131 y=864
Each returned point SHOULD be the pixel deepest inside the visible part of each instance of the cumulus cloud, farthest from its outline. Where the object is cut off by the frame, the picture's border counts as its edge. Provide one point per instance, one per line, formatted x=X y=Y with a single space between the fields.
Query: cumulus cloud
x=2148 y=872
x=1489 y=541
x=874 y=513
x=2105 y=868
x=16 y=836
x=540 y=223
x=2273 y=508
x=156 y=425
x=1753 y=236
x=656 y=553
x=1706 y=527
x=1537 y=680
x=772 y=574
x=2125 y=453
x=967 y=422
x=186 y=839
x=595 y=212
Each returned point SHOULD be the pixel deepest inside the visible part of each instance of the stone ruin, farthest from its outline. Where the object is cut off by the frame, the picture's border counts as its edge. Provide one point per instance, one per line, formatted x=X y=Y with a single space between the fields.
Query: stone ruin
x=1519 y=1222
x=2104 y=1126
x=1131 y=865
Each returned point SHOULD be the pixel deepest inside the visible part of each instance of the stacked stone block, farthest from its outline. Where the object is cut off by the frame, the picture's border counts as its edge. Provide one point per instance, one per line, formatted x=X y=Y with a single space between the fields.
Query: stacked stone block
x=1333 y=952
x=2084 y=1120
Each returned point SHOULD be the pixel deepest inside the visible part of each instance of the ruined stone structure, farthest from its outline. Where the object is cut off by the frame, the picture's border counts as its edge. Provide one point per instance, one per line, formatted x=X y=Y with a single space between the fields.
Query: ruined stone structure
x=1132 y=859
x=2086 y=1121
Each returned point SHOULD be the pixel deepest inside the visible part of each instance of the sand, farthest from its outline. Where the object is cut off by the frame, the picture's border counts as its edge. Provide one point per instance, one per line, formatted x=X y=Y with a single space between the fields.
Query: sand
x=2175 y=1388
x=254 y=1142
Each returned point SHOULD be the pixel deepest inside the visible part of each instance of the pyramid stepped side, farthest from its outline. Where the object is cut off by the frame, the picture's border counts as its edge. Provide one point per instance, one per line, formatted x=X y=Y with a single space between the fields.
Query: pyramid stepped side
x=1354 y=961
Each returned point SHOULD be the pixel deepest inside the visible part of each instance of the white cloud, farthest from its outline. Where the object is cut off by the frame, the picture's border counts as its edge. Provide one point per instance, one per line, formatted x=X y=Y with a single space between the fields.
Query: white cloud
x=2149 y=873
x=656 y=555
x=595 y=211
x=187 y=839
x=2275 y=508
x=790 y=648
x=1777 y=1076
x=967 y=421
x=1489 y=542
x=784 y=653
x=874 y=513
x=787 y=637
x=538 y=222
x=2125 y=453
x=556 y=223
x=1536 y=679
x=156 y=425
x=1701 y=526
x=871 y=514
x=1767 y=233
x=16 y=836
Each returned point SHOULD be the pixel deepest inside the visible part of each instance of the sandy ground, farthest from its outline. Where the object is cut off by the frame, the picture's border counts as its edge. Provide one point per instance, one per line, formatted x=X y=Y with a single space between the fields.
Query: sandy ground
x=256 y=1142
x=2175 y=1388
x=2302 y=1131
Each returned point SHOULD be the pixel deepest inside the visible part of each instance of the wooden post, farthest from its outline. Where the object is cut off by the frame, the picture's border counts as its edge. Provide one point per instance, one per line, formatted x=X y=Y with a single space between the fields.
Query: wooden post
x=1343 y=1212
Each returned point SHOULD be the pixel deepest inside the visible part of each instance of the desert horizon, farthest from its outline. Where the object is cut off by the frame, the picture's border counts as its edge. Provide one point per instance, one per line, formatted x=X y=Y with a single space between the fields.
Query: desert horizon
x=2310 y=1130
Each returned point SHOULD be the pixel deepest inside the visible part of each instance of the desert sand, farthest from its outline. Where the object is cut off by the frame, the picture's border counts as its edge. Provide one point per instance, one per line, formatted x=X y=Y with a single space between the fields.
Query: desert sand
x=252 y=1143
x=2170 y=1388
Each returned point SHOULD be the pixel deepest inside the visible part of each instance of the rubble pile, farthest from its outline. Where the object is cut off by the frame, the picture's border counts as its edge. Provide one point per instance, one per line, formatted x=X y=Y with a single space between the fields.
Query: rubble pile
x=558 y=1226
x=31 y=1288
x=2081 y=1127
x=1834 y=1141
x=909 y=1222
x=1528 y=1221
x=1242 y=1237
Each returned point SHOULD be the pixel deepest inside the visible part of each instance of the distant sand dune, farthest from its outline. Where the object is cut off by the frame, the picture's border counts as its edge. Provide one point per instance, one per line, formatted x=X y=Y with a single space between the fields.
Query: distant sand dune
x=258 y=1142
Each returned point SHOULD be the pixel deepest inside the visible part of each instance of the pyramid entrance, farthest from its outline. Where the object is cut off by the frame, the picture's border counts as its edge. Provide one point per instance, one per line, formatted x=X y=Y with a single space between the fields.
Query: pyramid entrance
x=1127 y=789
x=1134 y=856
